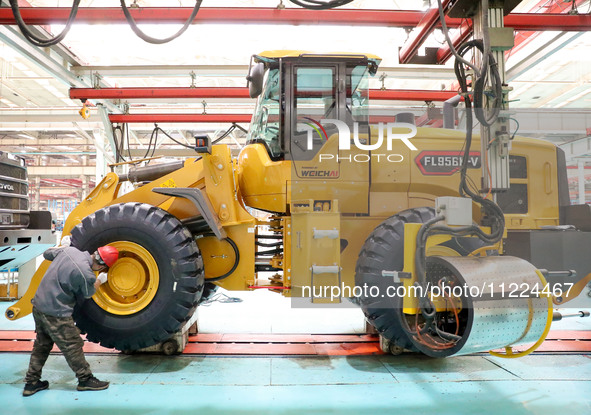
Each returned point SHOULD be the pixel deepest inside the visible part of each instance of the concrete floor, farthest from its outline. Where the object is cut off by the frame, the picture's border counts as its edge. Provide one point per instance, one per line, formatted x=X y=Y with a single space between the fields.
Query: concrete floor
x=480 y=384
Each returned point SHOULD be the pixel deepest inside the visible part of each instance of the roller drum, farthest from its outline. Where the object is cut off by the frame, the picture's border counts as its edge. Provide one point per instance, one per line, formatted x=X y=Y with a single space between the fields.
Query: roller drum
x=500 y=309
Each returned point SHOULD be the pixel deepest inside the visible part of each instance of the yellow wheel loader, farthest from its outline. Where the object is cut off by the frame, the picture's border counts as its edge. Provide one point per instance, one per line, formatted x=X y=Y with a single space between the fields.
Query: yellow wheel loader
x=329 y=203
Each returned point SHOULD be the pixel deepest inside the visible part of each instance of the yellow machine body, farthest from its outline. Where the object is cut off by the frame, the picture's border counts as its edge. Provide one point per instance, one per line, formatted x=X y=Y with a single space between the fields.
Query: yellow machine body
x=321 y=209
x=254 y=180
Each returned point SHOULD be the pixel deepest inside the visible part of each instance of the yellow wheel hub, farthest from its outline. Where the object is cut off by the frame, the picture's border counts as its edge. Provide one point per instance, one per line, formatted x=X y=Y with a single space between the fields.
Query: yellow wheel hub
x=132 y=281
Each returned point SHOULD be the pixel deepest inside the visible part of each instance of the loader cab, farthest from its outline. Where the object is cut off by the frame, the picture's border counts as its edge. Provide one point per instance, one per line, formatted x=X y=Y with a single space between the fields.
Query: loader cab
x=299 y=93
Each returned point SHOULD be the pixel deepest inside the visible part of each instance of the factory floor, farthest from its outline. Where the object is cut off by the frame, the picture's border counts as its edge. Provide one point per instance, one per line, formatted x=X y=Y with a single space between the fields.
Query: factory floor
x=543 y=383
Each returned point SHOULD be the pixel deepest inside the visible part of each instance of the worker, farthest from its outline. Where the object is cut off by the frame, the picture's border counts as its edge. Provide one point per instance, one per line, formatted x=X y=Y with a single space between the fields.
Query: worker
x=69 y=279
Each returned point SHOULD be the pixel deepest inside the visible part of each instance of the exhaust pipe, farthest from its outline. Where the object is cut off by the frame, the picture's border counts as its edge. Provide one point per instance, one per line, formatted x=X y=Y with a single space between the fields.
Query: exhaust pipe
x=406 y=117
x=149 y=173
x=449 y=115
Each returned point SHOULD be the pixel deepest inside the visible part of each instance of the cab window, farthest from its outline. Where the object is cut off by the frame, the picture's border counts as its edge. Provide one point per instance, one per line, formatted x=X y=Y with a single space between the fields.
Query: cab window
x=315 y=99
x=265 y=125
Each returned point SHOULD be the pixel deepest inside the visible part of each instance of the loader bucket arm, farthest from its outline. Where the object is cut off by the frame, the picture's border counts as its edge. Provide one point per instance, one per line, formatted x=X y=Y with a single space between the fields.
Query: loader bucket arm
x=23 y=307
x=106 y=194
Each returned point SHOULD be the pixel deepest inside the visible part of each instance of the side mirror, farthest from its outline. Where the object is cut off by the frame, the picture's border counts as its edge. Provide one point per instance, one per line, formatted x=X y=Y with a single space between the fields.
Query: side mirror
x=255 y=79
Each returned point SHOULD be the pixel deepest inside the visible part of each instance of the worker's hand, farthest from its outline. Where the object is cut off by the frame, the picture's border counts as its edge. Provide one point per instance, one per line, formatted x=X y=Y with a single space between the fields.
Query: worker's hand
x=66 y=241
x=102 y=277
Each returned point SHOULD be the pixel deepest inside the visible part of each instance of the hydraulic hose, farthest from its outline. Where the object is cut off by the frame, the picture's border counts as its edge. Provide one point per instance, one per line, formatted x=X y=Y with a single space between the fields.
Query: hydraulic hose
x=236 y=260
x=320 y=5
x=153 y=40
x=38 y=41
x=480 y=82
x=491 y=209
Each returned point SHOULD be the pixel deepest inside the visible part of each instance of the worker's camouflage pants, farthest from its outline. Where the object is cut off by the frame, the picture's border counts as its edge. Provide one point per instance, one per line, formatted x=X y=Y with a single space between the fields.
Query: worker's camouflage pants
x=63 y=332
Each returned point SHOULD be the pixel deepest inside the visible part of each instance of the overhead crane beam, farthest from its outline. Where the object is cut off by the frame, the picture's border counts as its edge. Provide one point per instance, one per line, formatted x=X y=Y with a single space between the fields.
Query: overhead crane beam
x=180 y=118
x=420 y=34
x=260 y=15
x=240 y=71
x=148 y=118
x=200 y=92
x=553 y=13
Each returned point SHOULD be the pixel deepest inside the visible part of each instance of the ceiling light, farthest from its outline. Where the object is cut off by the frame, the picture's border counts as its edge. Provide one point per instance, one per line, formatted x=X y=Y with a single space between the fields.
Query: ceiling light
x=30 y=137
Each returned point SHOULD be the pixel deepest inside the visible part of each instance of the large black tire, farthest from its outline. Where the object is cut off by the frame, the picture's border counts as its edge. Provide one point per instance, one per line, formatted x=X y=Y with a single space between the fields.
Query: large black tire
x=180 y=275
x=384 y=250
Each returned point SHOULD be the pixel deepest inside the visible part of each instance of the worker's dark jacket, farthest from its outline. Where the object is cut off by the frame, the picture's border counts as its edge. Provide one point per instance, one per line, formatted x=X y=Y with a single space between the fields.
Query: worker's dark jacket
x=69 y=278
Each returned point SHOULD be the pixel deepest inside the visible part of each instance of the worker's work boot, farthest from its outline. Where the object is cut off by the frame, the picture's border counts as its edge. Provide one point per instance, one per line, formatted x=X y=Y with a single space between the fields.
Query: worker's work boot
x=33 y=388
x=92 y=384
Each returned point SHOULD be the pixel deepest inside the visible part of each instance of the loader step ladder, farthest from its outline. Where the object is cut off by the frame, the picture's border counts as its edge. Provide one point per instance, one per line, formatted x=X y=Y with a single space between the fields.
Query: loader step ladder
x=316 y=250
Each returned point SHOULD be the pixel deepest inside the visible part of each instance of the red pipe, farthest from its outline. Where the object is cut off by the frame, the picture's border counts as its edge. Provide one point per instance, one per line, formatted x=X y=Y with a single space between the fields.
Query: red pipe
x=420 y=34
x=180 y=92
x=516 y=21
x=462 y=35
x=549 y=21
x=147 y=92
x=180 y=118
x=410 y=95
x=523 y=39
x=208 y=118
x=259 y=15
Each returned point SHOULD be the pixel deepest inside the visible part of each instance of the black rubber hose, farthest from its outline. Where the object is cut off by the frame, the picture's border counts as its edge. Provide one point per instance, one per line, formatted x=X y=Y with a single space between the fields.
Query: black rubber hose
x=480 y=82
x=228 y=132
x=153 y=40
x=320 y=5
x=236 y=260
x=35 y=40
x=270 y=252
x=158 y=129
x=272 y=245
x=492 y=210
x=278 y=237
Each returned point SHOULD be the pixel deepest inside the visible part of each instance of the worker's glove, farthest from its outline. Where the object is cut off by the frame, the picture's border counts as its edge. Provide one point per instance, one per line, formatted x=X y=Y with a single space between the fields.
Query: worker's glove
x=66 y=241
x=102 y=277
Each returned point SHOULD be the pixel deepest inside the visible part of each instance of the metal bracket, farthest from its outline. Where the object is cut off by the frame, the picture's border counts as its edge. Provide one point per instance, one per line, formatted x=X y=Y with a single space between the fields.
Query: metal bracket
x=383 y=81
x=325 y=269
x=325 y=233
x=396 y=275
x=201 y=201
x=96 y=80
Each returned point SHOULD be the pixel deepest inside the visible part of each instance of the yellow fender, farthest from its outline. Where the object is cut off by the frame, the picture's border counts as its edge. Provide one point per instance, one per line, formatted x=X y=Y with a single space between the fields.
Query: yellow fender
x=213 y=171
